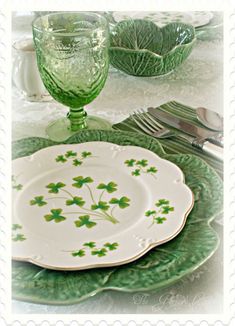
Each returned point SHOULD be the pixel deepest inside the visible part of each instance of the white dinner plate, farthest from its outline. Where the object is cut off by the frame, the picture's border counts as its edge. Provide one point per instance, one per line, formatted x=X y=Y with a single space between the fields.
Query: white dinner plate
x=194 y=18
x=94 y=204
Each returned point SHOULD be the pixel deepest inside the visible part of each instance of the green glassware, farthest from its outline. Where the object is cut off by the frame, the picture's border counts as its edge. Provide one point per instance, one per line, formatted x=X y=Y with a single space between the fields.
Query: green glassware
x=72 y=57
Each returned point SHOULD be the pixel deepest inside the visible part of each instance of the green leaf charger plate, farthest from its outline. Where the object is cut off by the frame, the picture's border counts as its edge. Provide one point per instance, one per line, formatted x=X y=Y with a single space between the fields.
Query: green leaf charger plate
x=160 y=267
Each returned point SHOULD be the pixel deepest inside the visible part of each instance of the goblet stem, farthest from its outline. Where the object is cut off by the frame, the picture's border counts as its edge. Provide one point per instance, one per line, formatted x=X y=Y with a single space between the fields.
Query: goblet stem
x=77 y=118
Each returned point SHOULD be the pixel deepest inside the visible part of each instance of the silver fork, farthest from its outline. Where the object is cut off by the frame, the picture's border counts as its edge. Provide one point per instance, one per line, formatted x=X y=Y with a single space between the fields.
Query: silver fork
x=149 y=125
x=153 y=128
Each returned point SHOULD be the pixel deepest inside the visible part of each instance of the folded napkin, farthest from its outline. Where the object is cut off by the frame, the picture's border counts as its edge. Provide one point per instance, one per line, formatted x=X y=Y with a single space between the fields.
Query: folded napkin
x=175 y=145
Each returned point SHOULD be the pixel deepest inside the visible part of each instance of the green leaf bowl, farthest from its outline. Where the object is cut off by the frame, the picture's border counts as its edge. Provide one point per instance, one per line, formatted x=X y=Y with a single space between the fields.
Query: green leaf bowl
x=139 y=47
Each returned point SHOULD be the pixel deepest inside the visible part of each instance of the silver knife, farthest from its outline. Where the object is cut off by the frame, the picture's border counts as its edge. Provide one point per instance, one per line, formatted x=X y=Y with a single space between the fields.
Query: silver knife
x=200 y=136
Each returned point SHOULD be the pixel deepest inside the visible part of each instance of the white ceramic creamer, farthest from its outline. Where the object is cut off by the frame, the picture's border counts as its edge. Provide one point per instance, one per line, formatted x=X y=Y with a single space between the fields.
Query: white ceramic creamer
x=25 y=73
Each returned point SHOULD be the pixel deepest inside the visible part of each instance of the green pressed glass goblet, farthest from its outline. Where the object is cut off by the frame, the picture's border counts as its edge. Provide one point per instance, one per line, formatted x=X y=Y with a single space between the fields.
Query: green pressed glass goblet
x=72 y=57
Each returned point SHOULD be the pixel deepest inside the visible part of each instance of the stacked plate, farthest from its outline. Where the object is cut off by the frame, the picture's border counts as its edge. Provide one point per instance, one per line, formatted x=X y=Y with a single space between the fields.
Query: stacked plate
x=194 y=18
x=106 y=199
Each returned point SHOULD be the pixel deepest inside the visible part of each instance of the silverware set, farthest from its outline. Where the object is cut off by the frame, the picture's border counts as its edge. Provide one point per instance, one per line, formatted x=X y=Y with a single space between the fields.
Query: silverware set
x=208 y=141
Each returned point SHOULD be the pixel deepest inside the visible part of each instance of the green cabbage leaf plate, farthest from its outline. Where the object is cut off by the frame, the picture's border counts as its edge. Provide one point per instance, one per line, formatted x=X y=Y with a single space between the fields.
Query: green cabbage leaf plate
x=161 y=266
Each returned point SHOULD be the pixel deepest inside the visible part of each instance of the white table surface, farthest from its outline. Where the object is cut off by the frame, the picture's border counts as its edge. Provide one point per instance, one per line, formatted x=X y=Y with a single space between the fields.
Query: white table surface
x=198 y=82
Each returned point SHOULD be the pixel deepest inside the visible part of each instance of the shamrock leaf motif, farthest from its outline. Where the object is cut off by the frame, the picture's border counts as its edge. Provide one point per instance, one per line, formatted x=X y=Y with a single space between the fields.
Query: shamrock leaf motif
x=111 y=246
x=84 y=220
x=75 y=201
x=61 y=158
x=123 y=202
x=136 y=172
x=167 y=209
x=55 y=187
x=152 y=169
x=110 y=187
x=86 y=154
x=103 y=205
x=18 y=187
x=79 y=253
x=164 y=209
x=160 y=220
x=162 y=202
x=19 y=237
x=149 y=213
x=99 y=253
x=15 y=185
x=130 y=162
x=76 y=162
x=80 y=181
x=142 y=163
x=38 y=201
x=90 y=244
x=55 y=216
x=16 y=227
x=70 y=154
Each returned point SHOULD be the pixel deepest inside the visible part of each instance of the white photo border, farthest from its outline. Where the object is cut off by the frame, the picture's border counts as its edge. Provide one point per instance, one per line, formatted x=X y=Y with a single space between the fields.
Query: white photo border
x=6 y=317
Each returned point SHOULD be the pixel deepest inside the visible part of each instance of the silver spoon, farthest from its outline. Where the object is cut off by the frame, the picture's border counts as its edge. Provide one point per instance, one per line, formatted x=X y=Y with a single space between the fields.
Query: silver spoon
x=210 y=119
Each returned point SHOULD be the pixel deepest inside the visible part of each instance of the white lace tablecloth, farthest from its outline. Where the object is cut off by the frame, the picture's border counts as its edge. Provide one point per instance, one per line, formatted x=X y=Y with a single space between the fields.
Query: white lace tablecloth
x=198 y=82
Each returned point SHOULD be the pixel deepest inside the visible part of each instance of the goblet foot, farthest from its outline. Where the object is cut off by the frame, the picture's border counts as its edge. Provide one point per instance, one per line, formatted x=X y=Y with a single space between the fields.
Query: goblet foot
x=60 y=129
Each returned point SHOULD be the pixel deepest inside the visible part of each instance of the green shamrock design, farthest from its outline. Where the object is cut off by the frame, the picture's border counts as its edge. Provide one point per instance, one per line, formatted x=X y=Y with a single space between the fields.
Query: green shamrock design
x=15 y=185
x=103 y=205
x=142 y=163
x=39 y=200
x=162 y=202
x=16 y=227
x=87 y=214
x=167 y=209
x=75 y=201
x=18 y=187
x=77 y=162
x=80 y=181
x=164 y=208
x=136 y=172
x=141 y=166
x=152 y=169
x=90 y=244
x=85 y=221
x=159 y=220
x=90 y=247
x=70 y=154
x=99 y=253
x=18 y=237
x=123 y=202
x=111 y=246
x=86 y=154
x=79 y=253
x=110 y=187
x=55 y=187
x=55 y=216
x=149 y=213
x=60 y=158
x=130 y=162
x=77 y=159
